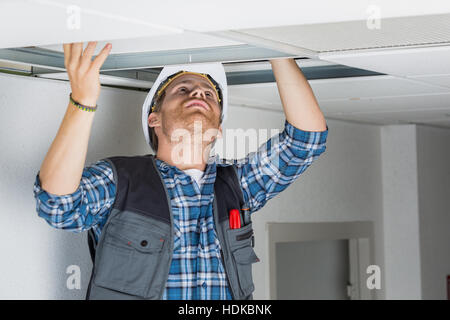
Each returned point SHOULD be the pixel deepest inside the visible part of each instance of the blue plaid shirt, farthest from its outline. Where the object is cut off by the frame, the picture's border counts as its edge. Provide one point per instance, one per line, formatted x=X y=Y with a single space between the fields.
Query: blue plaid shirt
x=196 y=271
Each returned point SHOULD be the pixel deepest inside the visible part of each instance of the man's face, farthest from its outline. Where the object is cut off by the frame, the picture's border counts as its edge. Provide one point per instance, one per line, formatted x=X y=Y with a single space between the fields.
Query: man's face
x=188 y=98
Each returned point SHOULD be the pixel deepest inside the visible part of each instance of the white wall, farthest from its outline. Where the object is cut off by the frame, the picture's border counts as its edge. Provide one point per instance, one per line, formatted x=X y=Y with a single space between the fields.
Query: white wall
x=416 y=219
x=34 y=255
x=433 y=157
x=400 y=212
x=344 y=184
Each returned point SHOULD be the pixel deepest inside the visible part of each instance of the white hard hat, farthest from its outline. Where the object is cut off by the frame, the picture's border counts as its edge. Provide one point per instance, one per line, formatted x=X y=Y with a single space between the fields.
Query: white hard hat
x=212 y=71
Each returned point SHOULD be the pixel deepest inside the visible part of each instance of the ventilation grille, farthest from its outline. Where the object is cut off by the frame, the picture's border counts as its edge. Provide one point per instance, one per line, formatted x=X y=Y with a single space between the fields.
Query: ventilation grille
x=356 y=35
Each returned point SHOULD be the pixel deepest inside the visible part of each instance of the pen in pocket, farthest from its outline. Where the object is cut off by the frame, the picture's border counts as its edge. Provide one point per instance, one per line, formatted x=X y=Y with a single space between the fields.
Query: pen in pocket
x=235 y=219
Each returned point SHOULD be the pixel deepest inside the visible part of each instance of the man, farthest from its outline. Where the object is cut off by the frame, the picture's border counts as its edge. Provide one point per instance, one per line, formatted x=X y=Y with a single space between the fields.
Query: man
x=162 y=225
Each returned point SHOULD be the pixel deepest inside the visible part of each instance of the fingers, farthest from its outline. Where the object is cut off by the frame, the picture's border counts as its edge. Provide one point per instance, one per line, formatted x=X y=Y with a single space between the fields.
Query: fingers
x=74 y=56
x=66 y=47
x=88 y=52
x=101 y=57
x=75 y=53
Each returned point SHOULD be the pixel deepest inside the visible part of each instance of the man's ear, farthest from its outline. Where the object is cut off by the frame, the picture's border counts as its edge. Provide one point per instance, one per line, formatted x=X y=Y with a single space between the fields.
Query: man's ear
x=153 y=120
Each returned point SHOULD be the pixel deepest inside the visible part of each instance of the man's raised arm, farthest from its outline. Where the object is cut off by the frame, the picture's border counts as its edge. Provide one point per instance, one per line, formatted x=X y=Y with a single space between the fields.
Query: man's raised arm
x=284 y=157
x=61 y=170
x=299 y=103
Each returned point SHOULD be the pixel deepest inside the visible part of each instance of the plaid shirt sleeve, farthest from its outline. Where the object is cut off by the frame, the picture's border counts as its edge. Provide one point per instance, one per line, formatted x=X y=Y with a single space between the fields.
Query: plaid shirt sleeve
x=277 y=163
x=88 y=206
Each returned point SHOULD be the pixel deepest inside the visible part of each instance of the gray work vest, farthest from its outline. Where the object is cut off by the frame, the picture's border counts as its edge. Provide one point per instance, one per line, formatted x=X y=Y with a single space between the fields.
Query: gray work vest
x=134 y=252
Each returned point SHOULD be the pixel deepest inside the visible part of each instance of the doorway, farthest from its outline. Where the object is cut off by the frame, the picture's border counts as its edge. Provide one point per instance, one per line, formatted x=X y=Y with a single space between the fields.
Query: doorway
x=317 y=270
x=320 y=260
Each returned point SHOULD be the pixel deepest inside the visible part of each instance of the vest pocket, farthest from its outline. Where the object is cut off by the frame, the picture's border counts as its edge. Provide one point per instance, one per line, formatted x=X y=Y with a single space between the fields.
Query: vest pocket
x=128 y=258
x=244 y=256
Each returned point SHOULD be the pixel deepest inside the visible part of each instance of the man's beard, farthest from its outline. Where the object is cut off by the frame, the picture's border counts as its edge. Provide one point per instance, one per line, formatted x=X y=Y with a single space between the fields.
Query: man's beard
x=190 y=121
x=190 y=133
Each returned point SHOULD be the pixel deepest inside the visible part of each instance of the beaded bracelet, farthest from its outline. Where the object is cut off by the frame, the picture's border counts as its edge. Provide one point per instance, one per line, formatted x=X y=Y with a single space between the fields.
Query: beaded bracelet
x=82 y=107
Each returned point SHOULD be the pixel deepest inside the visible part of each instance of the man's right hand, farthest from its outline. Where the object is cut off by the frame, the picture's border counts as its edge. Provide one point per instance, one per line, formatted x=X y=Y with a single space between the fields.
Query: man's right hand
x=84 y=74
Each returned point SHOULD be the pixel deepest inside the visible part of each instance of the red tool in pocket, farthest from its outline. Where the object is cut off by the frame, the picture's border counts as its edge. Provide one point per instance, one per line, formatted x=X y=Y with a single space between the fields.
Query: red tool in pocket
x=235 y=219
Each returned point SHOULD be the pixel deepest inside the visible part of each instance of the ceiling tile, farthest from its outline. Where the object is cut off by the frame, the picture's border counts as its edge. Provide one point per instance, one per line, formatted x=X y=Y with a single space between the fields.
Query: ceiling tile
x=339 y=92
x=402 y=62
x=437 y=79
x=43 y=22
x=373 y=86
x=361 y=34
x=438 y=117
x=402 y=103
x=157 y=43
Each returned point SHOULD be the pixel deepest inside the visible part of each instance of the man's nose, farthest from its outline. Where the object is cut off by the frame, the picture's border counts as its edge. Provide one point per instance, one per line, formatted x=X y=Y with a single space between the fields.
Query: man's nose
x=196 y=92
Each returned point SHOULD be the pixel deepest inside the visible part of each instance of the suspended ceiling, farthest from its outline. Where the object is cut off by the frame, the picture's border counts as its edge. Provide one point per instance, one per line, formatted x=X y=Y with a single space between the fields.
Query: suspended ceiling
x=396 y=73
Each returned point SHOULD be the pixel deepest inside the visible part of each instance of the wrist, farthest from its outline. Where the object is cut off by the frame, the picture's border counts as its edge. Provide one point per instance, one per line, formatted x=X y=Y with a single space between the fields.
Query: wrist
x=83 y=105
x=85 y=101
